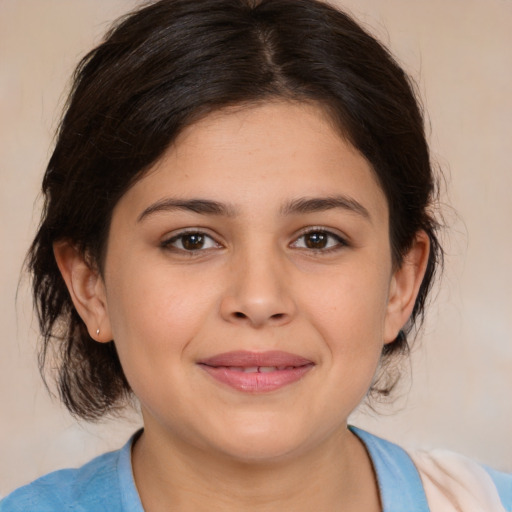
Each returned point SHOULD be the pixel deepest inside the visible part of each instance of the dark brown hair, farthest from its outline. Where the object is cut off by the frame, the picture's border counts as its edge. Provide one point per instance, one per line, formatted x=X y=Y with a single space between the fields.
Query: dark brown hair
x=168 y=64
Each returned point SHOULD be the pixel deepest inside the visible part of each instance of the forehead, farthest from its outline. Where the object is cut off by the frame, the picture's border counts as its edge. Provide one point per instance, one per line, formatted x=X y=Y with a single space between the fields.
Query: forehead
x=276 y=151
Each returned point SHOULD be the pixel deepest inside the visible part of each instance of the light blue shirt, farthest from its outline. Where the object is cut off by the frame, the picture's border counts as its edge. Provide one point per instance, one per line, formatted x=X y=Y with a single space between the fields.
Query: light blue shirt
x=106 y=484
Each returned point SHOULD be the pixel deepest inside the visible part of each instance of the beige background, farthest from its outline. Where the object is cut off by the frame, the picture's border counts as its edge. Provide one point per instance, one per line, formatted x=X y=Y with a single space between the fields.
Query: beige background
x=460 y=51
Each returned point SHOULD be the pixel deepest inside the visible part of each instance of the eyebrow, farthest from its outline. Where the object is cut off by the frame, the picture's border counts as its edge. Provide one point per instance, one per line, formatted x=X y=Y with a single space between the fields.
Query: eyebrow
x=302 y=205
x=318 y=204
x=201 y=206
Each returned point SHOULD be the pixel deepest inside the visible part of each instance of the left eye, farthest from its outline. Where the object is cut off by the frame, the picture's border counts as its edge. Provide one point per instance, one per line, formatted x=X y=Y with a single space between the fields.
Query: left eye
x=318 y=240
x=195 y=241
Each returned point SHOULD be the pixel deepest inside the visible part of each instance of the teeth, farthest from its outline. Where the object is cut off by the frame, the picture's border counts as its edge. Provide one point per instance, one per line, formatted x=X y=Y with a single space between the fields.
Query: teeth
x=267 y=369
x=259 y=369
x=251 y=369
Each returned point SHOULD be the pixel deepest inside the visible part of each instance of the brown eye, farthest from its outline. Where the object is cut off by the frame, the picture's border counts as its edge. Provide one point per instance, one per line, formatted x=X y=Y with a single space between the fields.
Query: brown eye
x=318 y=241
x=190 y=242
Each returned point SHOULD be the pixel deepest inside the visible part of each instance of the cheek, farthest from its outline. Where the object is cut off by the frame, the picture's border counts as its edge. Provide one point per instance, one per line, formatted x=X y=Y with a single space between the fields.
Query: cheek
x=349 y=306
x=152 y=328
x=146 y=297
x=349 y=312
x=154 y=316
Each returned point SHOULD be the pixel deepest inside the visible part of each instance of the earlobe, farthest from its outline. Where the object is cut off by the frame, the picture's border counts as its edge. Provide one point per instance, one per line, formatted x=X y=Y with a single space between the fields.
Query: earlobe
x=86 y=288
x=405 y=285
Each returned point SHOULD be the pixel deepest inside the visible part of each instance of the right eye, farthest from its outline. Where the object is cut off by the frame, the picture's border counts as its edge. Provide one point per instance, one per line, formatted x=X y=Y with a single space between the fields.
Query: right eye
x=191 y=241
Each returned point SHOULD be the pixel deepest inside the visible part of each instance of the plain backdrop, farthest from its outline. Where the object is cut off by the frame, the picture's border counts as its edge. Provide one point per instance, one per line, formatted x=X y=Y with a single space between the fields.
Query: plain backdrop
x=456 y=393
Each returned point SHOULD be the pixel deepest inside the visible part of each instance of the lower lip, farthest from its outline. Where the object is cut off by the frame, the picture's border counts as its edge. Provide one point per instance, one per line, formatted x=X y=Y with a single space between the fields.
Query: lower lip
x=256 y=382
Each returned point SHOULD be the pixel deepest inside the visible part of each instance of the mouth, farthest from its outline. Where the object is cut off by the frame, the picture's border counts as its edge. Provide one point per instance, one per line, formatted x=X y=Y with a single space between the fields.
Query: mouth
x=256 y=372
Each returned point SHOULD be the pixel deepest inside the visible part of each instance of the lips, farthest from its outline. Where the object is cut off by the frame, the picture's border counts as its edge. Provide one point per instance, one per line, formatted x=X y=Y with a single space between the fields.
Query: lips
x=256 y=372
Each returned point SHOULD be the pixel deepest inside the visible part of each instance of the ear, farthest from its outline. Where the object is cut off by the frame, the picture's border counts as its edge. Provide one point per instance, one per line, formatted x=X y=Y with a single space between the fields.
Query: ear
x=86 y=288
x=404 y=286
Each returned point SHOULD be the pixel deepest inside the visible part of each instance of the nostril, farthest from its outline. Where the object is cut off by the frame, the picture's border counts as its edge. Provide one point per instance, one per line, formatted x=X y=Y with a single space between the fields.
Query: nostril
x=238 y=314
x=277 y=316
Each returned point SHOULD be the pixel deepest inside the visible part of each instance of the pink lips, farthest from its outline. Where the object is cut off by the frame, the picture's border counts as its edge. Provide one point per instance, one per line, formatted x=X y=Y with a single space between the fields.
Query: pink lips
x=256 y=372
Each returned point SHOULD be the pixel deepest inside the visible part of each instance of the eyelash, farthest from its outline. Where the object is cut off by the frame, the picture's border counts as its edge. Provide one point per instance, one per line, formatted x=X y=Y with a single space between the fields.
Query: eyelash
x=339 y=242
x=168 y=244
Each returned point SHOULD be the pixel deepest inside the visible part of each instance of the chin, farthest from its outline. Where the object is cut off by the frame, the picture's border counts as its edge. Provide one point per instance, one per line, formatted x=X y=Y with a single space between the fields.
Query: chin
x=261 y=451
x=262 y=443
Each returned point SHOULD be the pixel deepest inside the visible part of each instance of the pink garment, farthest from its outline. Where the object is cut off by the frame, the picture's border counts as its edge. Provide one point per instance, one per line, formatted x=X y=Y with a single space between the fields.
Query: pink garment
x=454 y=483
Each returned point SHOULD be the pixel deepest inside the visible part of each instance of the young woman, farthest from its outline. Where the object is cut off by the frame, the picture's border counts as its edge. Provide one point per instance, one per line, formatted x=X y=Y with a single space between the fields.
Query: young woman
x=238 y=231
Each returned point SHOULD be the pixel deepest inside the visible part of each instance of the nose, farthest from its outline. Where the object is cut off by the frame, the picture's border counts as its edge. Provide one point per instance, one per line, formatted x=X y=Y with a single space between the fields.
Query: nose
x=258 y=292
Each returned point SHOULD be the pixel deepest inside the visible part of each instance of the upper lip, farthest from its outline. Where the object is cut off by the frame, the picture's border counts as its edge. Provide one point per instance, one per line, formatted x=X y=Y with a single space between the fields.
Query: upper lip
x=242 y=359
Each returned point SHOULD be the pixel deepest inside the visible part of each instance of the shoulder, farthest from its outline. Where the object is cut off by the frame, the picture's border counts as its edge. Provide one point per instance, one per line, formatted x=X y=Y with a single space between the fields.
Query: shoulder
x=468 y=484
x=85 y=488
x=399 y=482
x=99 y=485
x=434 y=481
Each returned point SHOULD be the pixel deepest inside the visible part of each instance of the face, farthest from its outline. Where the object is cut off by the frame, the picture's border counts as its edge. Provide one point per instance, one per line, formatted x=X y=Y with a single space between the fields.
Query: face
x=248 y=283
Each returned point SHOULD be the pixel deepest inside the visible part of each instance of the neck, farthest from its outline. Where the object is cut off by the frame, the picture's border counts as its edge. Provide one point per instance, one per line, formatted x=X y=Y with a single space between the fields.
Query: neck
x=334 y=476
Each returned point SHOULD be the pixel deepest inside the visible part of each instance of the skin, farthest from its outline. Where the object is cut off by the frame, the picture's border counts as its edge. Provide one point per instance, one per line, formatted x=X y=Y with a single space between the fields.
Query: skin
x=256 y=284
